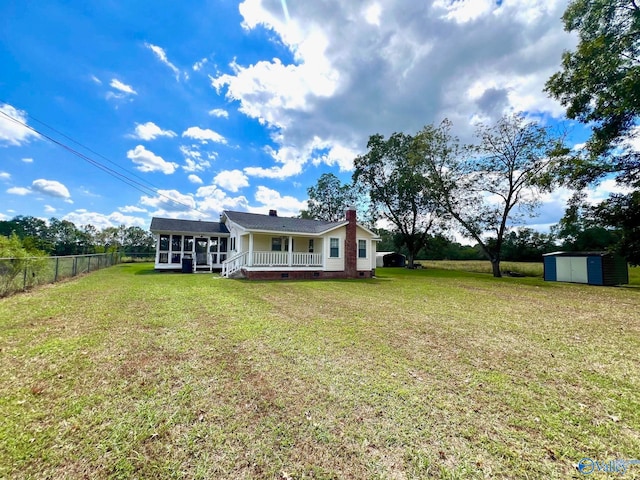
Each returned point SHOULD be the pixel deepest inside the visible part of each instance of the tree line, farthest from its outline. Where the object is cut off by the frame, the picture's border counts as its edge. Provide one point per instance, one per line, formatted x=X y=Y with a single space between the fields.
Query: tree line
x=62 y=237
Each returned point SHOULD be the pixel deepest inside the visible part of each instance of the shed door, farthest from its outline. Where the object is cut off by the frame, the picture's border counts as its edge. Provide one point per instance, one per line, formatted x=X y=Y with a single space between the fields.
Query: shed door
x=563 y=269
x=579 y=270
x=572 y=269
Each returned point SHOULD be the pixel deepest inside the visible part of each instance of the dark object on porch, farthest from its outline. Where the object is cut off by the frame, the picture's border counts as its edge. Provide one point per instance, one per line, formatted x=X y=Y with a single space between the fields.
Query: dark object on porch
x=187 y=264
x=394 y=260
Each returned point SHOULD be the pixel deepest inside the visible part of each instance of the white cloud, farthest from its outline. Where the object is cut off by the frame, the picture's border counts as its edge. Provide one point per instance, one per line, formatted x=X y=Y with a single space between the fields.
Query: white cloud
x=195 y=179
x=292 y=160
x=232 y=180
x=208 y=201
x=604 y=189
x=370 y=67
x=193 y=159
x=49 y=209
x=12 y=126
x=170 y=201
x=151 y=131
x=372 y=14
x=27 y=160
x=132 y=209
x=150 y=162
x=5 y=176
x=204 y=135
x=162 y=56
x=122 y=87
x=219 y=112
x=96 y=80
x=19 y=191
x=51 y=188
x=82 y=217
x=214 y=200
x=272 y=199
x=199 y=64
x=632 y=139
x=463 y=11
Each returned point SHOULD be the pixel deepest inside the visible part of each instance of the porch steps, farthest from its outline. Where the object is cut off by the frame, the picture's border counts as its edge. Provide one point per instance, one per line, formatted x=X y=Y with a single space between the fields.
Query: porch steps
x=237 y=274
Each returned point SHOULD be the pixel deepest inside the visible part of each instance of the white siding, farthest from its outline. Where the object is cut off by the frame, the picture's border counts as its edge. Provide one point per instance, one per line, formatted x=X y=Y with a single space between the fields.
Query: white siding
x=365 y=263
x=334 y=264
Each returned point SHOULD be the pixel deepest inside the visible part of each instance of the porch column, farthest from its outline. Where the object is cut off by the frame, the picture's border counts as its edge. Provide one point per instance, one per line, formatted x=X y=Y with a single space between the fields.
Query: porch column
x=250 y=259
x=290 y=249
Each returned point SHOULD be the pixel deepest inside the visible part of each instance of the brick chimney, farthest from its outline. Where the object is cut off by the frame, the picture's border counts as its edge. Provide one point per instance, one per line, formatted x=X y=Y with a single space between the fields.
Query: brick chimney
x=273 y=213
x=351 y=245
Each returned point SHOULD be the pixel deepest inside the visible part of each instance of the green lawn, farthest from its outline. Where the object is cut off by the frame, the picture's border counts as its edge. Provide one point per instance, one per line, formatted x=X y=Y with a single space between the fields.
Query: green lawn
x=416 y=374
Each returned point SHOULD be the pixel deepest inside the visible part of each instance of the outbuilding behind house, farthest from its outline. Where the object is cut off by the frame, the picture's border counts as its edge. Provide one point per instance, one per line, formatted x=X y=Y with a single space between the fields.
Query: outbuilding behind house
x=593 y=268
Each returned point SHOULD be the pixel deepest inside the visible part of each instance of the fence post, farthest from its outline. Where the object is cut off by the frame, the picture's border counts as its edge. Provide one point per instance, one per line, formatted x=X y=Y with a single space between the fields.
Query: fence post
x=88 y=264
x=24 y=278
x=74 y=269
x=55 y=278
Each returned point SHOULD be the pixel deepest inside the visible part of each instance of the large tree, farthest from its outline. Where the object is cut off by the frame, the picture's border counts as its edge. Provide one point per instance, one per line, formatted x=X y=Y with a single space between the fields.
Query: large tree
x=398 y=189
x=329 y=199
x=599 y=84
x=622 y=213
x=488 y=187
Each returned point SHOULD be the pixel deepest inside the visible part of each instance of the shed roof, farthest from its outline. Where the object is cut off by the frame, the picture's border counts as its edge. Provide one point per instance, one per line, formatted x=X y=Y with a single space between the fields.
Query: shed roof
x=254 y=221
x=187 y=226
x=577 y=254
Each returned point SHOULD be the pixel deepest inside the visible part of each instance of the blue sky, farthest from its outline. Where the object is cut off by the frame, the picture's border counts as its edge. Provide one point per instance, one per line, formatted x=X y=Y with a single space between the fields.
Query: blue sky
x=243 y=105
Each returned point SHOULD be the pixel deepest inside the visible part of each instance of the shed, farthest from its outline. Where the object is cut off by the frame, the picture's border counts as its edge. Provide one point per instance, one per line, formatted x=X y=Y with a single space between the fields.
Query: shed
x=394 y=259
x=593 y=268
x=380 y=258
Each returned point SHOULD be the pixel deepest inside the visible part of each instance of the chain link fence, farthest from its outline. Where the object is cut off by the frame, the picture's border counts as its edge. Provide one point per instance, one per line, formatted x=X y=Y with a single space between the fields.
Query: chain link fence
x=19 y=274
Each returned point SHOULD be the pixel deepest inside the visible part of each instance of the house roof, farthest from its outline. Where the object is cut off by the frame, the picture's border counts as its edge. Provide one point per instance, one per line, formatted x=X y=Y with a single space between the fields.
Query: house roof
x=254 y=221
x=187 y=226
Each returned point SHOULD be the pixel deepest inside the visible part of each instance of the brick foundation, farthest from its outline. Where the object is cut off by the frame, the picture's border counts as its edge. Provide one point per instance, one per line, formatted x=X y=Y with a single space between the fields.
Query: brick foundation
x=303 y=275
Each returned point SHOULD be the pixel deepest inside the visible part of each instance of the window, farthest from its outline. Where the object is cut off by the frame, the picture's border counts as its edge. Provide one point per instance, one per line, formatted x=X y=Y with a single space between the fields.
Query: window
x=176 y=240
x=233 y=244
x=188 y=244
x=334 y=247
x=276 y=244
x=223 y=244
x=163 y=257
x=362 y=249
x=175 y=258
x=311 y=245
x=164 y=242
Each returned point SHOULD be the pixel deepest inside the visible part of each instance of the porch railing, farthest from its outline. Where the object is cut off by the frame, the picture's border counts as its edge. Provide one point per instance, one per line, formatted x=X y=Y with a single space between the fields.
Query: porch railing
x=234 y=263
x=286 y=259
x=271 y=259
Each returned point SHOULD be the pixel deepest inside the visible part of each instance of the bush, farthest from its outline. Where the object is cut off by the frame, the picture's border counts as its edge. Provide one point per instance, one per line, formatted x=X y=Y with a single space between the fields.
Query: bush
x=15 y=260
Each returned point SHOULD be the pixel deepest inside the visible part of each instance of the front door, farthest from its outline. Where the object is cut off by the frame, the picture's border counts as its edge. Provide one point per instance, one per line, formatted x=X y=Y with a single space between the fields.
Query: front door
x=201 y=251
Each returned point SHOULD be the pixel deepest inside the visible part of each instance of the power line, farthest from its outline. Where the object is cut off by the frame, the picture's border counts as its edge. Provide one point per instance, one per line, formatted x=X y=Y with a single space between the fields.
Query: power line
x=141 y=187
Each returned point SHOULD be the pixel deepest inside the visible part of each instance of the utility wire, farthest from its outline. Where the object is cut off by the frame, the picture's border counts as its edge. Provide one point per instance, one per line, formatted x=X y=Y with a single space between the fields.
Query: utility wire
x=141 y=187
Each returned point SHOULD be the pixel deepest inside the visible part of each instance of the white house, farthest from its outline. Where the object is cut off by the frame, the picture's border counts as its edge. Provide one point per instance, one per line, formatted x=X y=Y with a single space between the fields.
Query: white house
x=257 y=246
x=204 y=243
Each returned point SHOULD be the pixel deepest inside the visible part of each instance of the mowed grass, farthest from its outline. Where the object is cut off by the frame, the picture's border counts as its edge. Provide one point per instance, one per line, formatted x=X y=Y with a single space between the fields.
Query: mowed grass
x=128 y=373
